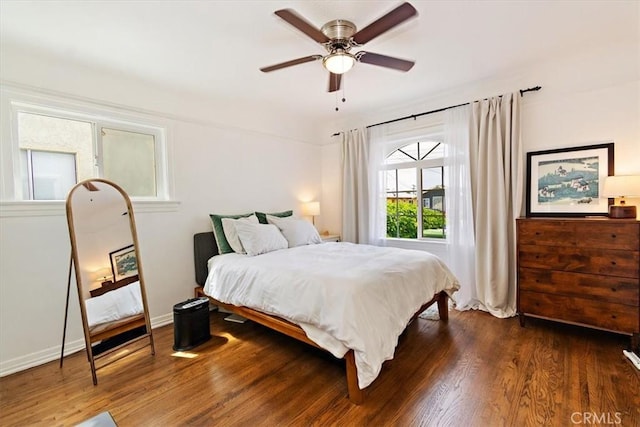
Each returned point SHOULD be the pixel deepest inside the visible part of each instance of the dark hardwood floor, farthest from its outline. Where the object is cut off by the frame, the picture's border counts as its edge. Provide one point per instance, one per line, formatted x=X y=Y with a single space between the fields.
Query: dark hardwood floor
x=475 y=370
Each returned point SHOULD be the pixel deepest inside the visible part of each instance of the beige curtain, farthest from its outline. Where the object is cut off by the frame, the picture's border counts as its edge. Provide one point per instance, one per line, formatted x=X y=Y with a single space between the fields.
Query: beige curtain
x=496 y=190
x=364 y=213
x=355 y=186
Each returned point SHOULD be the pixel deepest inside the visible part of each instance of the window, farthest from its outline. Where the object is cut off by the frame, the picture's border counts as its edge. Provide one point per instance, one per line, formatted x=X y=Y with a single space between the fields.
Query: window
x=128 y=158
x=415 y=191
x=59 y=148
x=47 y=175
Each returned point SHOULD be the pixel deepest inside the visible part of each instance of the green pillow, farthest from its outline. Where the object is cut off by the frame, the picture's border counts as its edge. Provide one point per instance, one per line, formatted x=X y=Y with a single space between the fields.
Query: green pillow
x=218 y=231
x=262 y=217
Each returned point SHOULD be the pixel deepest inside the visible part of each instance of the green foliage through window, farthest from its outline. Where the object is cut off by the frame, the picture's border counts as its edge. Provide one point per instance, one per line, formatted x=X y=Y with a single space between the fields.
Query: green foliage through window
x=402 y=219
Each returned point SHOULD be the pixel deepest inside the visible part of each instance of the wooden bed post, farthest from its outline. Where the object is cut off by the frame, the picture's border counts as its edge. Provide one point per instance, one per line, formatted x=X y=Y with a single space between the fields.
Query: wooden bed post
x=356 y=396
x=443 y=306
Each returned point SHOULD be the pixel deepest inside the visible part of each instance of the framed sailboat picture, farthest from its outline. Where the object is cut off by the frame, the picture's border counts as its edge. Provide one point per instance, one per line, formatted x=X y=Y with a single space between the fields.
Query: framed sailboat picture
x=569 y=181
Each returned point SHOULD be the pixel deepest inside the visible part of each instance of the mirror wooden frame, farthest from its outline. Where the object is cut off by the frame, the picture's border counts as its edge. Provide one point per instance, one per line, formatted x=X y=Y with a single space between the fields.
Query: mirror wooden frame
x=121 y=331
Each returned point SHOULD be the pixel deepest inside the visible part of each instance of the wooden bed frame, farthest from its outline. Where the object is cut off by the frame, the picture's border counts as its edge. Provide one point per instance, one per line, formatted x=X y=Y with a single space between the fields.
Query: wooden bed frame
x=205 y=247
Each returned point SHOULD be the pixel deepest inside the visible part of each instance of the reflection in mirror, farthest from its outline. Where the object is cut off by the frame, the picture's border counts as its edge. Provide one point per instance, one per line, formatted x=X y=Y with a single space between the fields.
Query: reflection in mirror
x=106 y=260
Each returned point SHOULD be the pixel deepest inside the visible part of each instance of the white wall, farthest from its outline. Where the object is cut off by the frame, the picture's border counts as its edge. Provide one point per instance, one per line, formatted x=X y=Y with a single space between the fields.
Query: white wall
x=585 y=99
x=219 y=166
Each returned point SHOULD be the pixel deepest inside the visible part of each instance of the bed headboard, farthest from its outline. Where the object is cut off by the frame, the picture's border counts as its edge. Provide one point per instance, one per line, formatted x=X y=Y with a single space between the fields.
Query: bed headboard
x=204 y=247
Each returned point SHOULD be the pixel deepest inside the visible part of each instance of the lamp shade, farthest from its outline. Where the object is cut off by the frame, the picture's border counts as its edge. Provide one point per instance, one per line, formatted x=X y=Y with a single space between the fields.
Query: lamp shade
x=622 y=186
x=103 y=275
x=311 y=209
x=339 y=63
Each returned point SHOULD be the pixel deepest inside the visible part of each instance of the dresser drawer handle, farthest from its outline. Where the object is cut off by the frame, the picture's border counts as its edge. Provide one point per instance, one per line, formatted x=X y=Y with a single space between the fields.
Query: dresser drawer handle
x=613 y=289
x=613 y=263
x=613 y=236
x=613 y=316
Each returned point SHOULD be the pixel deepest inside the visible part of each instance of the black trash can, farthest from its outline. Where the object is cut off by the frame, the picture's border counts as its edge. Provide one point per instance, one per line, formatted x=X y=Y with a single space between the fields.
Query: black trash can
x=190 y=323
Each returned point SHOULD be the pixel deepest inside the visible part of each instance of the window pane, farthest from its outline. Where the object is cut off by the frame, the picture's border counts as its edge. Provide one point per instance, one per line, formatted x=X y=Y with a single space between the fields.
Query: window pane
x=41 y=133
x=401 y=204
x=129 y=161
x=431 y=150
x=390 y=180
x=53 y=174
x=433 y=215
x=407 y=180
x=408 y=153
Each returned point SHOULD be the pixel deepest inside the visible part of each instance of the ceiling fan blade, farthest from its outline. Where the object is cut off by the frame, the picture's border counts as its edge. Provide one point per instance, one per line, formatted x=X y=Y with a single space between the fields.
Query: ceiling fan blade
x=334 y=82
x=385 y=61
x=291 y=63
x=301 y=24
x=385 y=23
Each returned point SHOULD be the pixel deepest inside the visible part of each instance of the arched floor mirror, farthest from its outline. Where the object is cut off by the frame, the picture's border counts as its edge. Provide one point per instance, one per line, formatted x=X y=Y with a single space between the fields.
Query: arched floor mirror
x=108 y=271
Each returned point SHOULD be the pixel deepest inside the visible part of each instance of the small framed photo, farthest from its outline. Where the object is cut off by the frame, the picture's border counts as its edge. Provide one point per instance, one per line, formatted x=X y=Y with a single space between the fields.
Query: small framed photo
x=569 y=181
x=124 y=263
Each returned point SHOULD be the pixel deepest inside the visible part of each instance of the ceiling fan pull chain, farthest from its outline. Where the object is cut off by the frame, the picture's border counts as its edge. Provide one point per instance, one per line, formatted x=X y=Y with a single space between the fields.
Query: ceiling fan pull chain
x=343 y=96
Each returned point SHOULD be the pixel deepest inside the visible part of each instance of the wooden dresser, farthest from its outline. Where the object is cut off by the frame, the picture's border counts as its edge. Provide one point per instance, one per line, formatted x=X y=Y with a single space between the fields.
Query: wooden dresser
x=583 y=271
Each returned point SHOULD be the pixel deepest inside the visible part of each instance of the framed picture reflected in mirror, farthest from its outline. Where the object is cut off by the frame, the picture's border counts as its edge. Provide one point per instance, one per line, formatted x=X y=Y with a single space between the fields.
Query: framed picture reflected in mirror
x=124 y=263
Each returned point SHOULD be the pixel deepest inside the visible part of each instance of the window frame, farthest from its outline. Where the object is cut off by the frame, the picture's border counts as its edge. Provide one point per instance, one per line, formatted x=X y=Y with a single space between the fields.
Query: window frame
x=435 y=133
x=14 y=100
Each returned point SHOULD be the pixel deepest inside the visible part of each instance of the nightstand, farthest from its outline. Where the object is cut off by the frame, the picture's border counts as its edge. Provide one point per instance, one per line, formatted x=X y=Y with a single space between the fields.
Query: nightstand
x=330 y=237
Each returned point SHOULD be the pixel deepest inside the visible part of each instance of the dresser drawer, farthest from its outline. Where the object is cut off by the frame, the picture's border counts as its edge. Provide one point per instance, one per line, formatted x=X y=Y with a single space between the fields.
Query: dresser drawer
x=594 y=261
x=621 y=290
x=550 y=233
x=608 y=235
x=606 y=315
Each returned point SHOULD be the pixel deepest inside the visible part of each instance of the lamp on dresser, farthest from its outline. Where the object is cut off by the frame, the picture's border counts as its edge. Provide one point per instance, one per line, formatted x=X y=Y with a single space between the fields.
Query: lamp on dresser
x=622 y=186
x=104 y=276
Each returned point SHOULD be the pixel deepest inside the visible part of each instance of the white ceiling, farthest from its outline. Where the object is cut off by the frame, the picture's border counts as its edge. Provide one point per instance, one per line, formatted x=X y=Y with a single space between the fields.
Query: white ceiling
x=215 y=48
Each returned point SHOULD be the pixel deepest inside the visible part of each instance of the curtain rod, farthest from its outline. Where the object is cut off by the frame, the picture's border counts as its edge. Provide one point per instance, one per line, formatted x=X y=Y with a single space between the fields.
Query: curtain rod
x=415 y=116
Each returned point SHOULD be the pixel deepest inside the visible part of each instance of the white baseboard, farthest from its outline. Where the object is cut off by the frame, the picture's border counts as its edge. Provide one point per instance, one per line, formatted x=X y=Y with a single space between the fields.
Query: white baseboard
x=41 y=357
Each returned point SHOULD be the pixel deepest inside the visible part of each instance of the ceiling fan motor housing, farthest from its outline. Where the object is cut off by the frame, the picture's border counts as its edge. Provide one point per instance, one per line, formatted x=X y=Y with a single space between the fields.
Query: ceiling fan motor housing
x=340 y=32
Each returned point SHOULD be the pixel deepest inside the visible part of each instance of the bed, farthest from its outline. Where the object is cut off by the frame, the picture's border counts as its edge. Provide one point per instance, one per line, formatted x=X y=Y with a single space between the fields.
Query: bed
x=107 y=310
x=115 y=313
x=297 y=291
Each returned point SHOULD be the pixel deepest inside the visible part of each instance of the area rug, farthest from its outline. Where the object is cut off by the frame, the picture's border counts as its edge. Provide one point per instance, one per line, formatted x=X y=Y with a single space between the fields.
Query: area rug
x=103 y=419
x=430 y=313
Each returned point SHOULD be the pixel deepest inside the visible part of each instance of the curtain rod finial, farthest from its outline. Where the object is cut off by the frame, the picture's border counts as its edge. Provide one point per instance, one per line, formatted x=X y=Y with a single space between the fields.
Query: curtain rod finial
x=531 y=89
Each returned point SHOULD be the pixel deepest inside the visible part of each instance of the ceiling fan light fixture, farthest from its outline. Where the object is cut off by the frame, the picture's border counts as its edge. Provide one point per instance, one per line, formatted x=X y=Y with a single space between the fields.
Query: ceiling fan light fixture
x=338 y=62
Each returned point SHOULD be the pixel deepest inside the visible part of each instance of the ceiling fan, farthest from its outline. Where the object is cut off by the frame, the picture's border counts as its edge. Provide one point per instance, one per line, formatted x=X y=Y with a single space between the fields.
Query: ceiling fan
x=339 y=36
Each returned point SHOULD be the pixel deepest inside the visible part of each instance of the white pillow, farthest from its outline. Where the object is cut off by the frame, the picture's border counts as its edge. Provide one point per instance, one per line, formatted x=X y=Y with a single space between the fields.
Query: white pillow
x=260 y=238
x=298 y=232
x=229 y=227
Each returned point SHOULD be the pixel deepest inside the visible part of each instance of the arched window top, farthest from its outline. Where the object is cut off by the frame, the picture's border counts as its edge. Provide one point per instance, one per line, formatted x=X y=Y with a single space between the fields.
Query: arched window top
x=416 y=151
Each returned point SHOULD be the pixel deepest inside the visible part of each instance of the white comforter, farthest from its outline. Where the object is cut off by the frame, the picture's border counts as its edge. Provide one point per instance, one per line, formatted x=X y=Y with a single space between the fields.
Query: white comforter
x=114 y=305
x=344 y=296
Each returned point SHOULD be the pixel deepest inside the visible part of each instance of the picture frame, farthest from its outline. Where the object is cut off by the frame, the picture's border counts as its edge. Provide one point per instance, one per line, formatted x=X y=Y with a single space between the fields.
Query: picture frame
x=568 y=182
x=124 y=263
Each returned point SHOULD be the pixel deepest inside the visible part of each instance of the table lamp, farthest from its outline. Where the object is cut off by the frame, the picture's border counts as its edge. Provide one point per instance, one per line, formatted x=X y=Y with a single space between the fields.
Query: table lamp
x=311 y=209
x=622 y=186
x=103 y=276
